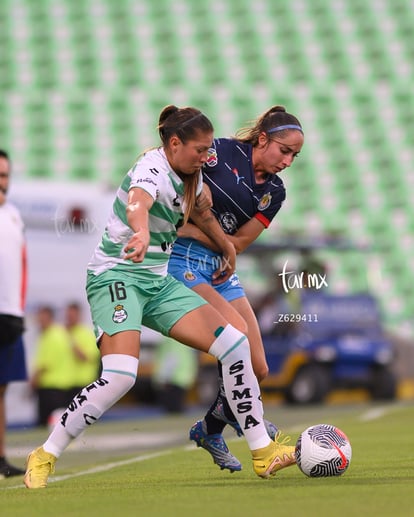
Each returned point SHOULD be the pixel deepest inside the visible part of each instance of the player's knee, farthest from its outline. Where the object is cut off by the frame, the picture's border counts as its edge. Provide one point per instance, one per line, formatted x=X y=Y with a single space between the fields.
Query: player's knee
x=229 y=344
x=130 y=383
x=241 y=325
x=120 y=383
x=120 y=371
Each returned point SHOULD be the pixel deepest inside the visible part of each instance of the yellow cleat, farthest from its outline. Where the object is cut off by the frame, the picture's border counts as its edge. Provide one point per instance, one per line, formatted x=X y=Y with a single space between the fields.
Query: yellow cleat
x=274 y=457
x=40 y=464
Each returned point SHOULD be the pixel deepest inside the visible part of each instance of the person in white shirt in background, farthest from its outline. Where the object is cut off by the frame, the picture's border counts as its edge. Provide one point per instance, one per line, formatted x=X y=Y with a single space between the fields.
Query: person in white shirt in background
x=12 y=299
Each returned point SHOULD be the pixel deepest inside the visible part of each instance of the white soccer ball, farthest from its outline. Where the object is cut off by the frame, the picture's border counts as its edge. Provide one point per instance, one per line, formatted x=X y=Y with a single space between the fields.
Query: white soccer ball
x=323 y=450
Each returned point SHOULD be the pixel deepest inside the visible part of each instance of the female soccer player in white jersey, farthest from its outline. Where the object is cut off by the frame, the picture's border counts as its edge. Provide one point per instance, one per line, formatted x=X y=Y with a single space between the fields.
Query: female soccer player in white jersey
x=241 y=175
x=128 y=284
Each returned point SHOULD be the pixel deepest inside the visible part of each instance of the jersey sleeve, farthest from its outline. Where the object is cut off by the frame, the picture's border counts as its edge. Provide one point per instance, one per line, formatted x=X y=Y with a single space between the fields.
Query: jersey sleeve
x=271 y=202
x=146 y=175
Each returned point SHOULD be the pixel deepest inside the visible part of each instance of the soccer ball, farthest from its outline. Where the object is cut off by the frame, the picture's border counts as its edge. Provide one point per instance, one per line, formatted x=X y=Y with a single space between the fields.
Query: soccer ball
x=323 y=450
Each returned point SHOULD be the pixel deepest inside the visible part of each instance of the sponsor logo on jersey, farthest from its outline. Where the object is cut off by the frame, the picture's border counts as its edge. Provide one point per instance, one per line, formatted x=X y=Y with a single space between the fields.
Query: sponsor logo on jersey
x=176 y=201
x=145 y=180
x=265 y=202
x=236 y=173
x=120 y=314
x=167 y=246
x=212 y=157
x=189 y=276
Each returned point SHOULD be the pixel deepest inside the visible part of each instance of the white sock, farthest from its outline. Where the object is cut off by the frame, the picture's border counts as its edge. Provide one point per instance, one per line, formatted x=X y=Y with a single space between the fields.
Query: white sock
x=119 y=373
x=232 y=349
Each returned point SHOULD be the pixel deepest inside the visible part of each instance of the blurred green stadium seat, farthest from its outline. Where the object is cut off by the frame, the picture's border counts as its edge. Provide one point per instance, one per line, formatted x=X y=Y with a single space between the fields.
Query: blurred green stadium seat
x=82 y=84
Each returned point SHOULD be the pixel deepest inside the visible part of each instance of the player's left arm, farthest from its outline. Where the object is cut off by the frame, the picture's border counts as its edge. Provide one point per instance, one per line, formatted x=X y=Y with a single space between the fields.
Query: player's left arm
x=209 y=225
x=247 y=234
x=249 y=231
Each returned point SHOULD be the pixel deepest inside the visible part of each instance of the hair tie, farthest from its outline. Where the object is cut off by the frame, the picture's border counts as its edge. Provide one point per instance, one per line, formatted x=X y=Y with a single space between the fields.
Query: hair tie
x=190 y=120
x=286 y=126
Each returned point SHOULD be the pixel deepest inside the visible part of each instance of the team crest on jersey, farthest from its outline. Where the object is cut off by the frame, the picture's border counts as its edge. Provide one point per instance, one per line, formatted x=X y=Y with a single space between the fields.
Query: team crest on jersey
x=212 y=157
x=189 y=276
x=120 y=314
x=234 y=280
x=228 y=222
x=265 y=201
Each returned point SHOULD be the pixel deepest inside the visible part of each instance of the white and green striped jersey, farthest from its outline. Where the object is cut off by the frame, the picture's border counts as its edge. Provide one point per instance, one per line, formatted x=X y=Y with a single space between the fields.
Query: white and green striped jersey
x=153 y=174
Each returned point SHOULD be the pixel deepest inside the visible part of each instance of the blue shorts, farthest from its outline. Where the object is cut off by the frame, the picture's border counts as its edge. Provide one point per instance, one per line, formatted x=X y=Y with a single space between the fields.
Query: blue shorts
x=12 y=363
x=194 y=264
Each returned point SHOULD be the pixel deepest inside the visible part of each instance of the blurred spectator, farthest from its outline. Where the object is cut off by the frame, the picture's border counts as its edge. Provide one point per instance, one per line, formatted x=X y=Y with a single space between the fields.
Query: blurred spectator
x=12 y=298
x=274 y=303
x=84 y=348
x=175 y=371
x=54 y=365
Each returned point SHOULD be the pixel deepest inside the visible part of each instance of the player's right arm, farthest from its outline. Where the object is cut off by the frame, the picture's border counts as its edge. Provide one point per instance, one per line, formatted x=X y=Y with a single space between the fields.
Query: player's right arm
x=138 y=205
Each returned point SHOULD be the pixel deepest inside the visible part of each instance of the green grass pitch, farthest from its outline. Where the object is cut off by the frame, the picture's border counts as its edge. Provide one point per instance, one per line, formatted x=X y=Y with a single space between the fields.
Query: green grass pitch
x=129 y=468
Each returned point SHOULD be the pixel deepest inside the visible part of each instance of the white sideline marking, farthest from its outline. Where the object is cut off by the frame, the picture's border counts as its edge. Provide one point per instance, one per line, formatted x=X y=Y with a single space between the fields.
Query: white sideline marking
x=101 y=468
x=110 y=466
x=299 y=427
x=85 y=442
x=373 y=414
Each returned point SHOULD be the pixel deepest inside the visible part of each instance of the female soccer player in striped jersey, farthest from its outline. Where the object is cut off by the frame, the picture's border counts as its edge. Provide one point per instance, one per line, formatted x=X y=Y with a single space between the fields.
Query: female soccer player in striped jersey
x=128 y=285
x=241 y=176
